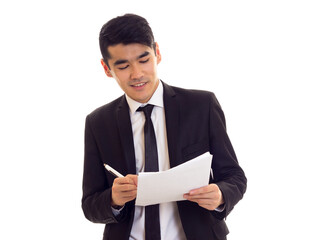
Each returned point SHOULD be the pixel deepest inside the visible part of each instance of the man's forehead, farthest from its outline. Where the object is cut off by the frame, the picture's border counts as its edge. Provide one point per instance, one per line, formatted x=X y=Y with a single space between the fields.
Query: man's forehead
x=128 y=51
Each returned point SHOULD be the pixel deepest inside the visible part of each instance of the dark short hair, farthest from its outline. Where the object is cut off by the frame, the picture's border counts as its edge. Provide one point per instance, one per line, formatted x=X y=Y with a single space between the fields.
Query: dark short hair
x=126 y=29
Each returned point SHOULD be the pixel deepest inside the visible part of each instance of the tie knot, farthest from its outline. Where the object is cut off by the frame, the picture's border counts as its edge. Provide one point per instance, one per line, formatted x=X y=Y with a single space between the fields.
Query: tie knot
x=147 y=110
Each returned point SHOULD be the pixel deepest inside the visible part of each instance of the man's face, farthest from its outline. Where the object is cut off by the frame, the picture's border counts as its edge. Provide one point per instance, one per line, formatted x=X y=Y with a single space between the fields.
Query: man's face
x=134 y=67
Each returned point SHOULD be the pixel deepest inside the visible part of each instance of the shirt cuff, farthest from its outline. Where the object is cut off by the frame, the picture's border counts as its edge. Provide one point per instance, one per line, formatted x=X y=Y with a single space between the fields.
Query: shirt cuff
x=221 y=208
x=116 y=212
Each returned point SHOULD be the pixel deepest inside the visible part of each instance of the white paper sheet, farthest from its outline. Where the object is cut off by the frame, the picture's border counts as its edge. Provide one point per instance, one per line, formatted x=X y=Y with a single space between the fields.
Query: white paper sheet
x=170 y=185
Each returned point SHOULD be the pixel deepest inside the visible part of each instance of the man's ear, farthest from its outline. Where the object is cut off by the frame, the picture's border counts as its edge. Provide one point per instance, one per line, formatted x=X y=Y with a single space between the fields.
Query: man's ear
x=106 y=69
x=158 y=53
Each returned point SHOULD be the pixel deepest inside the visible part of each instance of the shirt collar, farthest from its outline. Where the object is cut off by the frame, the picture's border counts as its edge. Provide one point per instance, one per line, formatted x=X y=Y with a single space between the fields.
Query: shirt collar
x=156 y=99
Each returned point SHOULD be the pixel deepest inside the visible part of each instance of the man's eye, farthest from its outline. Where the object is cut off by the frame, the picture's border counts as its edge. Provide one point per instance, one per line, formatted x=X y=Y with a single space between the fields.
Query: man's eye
x=144 y=61
x=122 y=68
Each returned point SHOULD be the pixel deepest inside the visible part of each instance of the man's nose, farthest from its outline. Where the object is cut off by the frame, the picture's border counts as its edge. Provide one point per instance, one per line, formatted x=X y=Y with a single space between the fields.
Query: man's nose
x=136 y=72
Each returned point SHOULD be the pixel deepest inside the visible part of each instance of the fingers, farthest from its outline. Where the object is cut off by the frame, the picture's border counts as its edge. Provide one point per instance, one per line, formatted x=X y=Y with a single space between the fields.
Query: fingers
x=134 y=178
x=209 y=197
x=209 y=191
x=124 y=190
x=127 y=180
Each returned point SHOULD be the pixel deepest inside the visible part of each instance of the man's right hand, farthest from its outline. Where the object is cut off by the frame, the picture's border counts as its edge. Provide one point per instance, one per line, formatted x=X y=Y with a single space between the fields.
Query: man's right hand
x=124 y=189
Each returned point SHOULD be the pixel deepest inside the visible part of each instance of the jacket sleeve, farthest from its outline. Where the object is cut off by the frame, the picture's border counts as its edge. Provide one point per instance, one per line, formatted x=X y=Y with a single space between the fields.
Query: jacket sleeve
x=228 y=175
x=96 y=200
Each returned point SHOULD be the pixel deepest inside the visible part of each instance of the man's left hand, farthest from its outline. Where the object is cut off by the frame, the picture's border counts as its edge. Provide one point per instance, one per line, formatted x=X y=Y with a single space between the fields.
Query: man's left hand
x=208 y=197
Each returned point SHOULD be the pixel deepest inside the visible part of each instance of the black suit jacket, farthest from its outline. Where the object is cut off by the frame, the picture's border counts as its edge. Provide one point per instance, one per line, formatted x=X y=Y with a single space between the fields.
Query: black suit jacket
x=195 y=124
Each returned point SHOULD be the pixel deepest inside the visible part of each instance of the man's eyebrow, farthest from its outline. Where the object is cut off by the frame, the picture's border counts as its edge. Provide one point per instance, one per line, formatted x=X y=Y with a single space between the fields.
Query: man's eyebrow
x=122 y=61
x=146 y=53
x=118 y=62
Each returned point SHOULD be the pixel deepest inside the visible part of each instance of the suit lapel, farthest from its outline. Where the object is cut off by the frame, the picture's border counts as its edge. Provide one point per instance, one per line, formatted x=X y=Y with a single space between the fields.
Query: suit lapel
x=126 y=135
x=171 y=109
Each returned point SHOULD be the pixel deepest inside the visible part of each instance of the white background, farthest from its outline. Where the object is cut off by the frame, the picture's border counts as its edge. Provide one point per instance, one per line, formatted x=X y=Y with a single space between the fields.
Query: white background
x=262 y=59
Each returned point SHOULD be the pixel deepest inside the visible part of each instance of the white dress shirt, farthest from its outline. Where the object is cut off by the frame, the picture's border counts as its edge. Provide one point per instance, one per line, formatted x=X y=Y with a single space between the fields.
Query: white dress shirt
x=170 y=223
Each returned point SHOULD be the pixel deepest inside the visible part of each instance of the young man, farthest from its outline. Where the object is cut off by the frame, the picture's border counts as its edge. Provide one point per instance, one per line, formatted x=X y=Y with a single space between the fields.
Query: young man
x=186 y=123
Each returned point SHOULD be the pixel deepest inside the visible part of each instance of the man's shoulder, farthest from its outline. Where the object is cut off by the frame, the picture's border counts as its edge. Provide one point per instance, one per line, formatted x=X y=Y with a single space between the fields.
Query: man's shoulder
x=107 y=109
x=189 y=94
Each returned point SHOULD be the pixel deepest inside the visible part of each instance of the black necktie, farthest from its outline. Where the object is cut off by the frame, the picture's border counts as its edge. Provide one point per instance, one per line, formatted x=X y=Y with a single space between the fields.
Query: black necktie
x=152 y=219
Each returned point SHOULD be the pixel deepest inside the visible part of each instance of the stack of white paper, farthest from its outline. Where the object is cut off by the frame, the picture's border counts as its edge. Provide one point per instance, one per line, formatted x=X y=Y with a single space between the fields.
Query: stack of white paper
x=170 y=185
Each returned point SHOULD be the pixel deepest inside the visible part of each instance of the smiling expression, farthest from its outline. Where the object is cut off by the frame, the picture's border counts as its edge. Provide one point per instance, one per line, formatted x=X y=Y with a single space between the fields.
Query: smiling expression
x=134 y=67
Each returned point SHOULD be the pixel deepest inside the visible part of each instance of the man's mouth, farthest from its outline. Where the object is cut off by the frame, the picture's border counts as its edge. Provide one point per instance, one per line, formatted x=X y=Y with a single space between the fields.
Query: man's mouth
x=138 y=85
